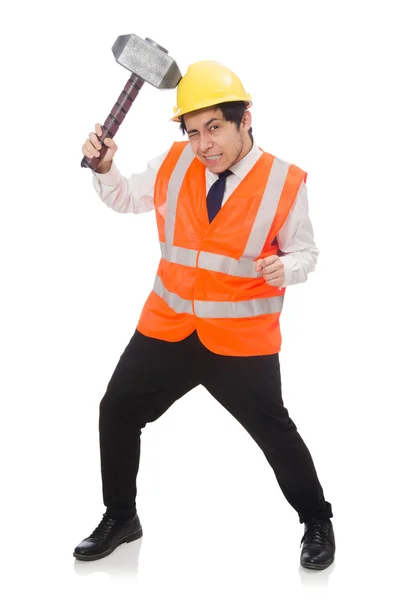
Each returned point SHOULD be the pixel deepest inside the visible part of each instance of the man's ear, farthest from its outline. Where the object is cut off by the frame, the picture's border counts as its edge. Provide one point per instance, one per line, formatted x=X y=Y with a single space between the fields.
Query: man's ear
x=246 y=120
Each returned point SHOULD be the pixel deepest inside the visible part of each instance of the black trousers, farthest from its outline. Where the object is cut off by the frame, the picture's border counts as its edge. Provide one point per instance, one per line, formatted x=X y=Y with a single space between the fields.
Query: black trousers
x=152 y=374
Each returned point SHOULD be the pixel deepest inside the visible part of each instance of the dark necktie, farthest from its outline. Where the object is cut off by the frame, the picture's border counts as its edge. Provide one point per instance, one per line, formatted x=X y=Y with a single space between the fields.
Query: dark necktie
x=215 y=195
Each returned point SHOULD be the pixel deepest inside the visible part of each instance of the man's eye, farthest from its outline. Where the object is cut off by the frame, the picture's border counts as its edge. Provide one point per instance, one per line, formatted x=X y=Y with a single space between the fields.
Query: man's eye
x=214 y=127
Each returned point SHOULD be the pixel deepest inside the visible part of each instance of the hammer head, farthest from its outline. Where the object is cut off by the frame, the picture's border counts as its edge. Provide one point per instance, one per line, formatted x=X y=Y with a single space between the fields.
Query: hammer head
x=147 y=60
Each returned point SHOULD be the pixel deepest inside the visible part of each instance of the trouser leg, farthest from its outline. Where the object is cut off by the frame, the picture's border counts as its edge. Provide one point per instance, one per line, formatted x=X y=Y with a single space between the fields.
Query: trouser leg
x=250 y=389
x=150 y=376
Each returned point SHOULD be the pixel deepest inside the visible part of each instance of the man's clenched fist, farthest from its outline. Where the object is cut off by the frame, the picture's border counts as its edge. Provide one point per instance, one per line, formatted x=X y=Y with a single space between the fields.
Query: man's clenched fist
x=92 y=145
x=272 y=270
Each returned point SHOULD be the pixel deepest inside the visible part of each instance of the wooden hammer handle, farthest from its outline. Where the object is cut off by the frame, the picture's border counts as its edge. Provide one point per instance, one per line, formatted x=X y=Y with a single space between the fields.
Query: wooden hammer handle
x=115 y=118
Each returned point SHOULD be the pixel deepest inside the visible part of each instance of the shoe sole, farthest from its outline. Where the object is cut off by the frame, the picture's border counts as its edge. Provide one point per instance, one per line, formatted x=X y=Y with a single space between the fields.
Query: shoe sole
x=319 y=567
x=131 y=537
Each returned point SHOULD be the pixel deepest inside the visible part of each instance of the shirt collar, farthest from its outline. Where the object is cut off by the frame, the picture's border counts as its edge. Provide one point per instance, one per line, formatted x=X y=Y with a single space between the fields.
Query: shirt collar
x=242 y=168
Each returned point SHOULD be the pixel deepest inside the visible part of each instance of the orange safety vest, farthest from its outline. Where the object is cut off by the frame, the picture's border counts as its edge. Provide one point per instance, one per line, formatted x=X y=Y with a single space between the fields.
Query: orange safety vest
x=206 y=280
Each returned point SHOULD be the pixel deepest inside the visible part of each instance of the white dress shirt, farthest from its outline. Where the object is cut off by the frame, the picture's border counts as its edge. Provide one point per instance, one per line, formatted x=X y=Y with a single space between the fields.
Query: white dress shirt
x=295 y=238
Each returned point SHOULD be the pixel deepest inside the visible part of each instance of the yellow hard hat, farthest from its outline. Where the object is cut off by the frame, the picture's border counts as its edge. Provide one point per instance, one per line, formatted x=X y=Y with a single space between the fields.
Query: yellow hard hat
x=205 y=84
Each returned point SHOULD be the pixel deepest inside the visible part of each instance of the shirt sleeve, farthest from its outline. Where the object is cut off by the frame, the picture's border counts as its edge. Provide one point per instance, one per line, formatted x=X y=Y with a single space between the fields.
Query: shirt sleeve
x=296 y=241
x=134 y=194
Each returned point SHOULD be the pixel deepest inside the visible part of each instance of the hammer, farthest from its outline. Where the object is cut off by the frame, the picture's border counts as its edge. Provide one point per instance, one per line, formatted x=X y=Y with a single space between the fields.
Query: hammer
x=148 y=62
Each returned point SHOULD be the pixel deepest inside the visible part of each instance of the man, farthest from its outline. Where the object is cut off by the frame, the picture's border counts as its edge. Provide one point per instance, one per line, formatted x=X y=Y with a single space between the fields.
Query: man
x=234 y=231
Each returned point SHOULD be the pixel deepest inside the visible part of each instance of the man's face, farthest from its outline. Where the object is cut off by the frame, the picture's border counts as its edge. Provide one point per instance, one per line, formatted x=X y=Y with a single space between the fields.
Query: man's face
x=219 y=144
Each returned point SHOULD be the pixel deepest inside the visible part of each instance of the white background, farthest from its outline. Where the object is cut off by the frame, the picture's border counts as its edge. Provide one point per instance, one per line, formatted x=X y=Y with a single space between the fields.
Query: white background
x=75 y=276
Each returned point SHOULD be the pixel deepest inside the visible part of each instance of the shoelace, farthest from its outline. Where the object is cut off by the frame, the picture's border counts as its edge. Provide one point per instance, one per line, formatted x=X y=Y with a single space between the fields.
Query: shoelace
x=317 y=533
x=103 y=528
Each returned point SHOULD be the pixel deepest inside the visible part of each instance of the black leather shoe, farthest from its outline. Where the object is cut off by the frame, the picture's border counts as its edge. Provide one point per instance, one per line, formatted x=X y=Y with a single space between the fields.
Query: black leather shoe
x=109 y=534
x=318 y=545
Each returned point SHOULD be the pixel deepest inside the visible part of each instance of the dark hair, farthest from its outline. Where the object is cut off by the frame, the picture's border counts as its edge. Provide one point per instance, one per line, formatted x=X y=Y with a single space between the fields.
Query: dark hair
x=231 y=111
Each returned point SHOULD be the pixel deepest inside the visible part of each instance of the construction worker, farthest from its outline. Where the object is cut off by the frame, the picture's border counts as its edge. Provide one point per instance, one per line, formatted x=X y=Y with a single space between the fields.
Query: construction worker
x=234 y=232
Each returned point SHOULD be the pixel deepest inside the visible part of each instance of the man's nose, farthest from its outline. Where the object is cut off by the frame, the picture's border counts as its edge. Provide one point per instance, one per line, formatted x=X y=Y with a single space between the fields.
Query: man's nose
x=205 y=143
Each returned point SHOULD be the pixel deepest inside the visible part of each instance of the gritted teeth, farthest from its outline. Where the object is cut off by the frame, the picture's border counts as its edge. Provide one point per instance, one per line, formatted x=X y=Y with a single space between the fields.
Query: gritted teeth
x=213 y=157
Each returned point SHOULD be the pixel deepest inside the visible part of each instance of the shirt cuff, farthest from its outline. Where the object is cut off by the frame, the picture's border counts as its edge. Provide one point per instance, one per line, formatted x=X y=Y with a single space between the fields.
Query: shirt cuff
x=292 y=270
x=111 y=178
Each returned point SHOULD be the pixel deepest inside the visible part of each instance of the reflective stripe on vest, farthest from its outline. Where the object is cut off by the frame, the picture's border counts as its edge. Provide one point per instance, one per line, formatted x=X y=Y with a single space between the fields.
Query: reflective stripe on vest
x=220 y=310
x=238 y=310
x=210 y=261
x=178 y=304
x=174 y=185
x=178 y=255
x=267 y=209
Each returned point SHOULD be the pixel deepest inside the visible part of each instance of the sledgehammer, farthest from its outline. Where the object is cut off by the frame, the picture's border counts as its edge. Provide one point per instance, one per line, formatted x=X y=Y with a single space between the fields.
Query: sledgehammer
x=148 y=62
